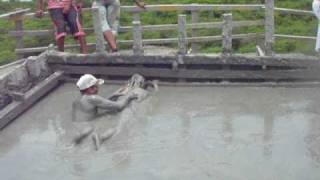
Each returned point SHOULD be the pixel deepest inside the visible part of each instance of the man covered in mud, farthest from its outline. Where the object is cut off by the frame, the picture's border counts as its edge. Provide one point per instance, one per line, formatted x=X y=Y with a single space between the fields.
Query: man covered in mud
x=90 y=105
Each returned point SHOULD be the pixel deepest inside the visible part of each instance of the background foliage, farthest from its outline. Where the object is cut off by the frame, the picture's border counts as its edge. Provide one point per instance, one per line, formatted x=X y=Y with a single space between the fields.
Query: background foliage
x=285 y=24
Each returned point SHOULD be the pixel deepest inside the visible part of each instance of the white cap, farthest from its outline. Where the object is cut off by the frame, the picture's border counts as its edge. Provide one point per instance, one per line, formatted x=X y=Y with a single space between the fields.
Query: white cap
x=88 y=80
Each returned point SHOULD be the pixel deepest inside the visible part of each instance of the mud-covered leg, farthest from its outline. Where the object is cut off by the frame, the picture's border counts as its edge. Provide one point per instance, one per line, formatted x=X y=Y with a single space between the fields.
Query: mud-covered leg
x=96 y=141
x=83 y=134
x=107 y=134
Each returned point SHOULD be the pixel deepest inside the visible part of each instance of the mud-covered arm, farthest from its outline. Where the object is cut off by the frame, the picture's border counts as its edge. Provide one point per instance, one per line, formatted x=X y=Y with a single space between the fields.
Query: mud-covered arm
x=107 y=104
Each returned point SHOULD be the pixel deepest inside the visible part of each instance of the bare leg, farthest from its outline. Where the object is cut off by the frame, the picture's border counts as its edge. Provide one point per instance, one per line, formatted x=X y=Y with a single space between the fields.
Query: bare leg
x=99 y=139
x=109 y=37
x=107 y=134
x=96 y=140
x=60 y=44
x=83 y=134
x=83 y=44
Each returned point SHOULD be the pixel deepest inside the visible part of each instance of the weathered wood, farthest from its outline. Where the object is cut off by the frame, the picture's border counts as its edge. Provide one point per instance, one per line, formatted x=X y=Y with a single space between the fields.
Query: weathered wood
x=227 y=34
x=182 y=37
x=193 y=7
x=98 y=30
x=18 y=21
x=269 y=26
x=163 y=27
x=193 y=74
x=13 y=15
x=14 y=109
x=135 y=16
x=137 y=38
x=312 y=38
x=104 y=59
x=195 y=20
x=294 y=11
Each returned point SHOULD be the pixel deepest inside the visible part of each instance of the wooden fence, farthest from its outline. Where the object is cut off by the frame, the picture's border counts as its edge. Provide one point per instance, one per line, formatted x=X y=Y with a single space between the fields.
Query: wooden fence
x=137 y=29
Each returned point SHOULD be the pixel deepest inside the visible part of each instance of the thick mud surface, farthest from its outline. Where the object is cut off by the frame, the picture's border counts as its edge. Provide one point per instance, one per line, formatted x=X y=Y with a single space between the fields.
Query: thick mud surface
x=180 y=133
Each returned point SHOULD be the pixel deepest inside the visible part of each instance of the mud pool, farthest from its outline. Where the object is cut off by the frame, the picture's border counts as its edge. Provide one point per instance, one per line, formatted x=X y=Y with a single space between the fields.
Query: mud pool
x=224 y=133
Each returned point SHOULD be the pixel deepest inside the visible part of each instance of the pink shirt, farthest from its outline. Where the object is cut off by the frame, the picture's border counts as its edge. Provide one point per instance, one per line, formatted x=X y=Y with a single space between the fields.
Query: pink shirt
x=54 y=4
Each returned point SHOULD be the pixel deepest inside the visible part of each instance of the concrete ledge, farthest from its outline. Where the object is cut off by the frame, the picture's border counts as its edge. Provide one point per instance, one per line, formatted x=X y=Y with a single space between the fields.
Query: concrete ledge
x=14 y=109
x=21 y=77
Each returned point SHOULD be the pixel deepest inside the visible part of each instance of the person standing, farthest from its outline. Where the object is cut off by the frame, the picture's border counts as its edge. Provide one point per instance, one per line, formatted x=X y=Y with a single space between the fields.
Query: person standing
x=62 y=11
x=109 y=11
x=316 y=10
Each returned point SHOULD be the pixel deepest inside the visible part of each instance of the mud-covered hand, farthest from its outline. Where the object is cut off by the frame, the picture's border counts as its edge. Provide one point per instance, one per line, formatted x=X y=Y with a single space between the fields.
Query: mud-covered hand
x=140 y=4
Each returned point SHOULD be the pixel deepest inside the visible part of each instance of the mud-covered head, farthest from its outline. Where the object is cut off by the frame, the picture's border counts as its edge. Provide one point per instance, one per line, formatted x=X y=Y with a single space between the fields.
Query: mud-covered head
x=136 y=81
x=88 y=84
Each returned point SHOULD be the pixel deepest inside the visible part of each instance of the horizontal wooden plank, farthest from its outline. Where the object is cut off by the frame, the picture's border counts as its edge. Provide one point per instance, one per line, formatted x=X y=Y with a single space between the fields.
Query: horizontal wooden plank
x=10 y=112
x=312 y=38
x=180 y=7
x=193 y=74
x=163 y=27
x=105 y=59
x=294 y=11
x=14 y=14
x=193 y=7
x=147 y=42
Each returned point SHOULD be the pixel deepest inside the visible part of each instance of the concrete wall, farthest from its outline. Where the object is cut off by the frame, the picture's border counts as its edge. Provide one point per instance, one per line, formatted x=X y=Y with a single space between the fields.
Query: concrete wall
x=23 y=77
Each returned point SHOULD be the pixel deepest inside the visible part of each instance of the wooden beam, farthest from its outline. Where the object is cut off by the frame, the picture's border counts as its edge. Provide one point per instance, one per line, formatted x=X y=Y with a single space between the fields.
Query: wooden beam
x=13 y=110
x=311 y=38
x=227 y=34
x=195 y=20
x=182 y=34
x=98 y=30
x=192 y=73
x=137 y=38
x=294 y=11
x=193 y=7
x=14 y=14
x=162 y=27
x=269 y=27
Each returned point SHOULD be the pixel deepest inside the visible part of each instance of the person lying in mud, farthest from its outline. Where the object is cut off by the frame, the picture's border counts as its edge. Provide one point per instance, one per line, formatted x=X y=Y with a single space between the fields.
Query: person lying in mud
x=89 y=104
x=86 y=108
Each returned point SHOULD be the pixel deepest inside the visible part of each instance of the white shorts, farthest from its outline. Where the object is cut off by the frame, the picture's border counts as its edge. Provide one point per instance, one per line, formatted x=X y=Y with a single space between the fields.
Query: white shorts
x=109 y=16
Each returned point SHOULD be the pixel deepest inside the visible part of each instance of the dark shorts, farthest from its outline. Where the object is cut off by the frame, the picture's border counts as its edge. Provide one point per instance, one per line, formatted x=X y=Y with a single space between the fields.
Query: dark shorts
x=71 y=19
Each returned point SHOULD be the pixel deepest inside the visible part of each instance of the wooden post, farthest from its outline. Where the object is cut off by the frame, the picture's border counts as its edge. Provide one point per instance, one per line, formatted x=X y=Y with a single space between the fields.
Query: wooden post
x=227 y=34
x=98 y=30
x=269 y=26
x=18 y=21
x=194 y=19
x=182 y=39
x=137 y=38
x=136 y=16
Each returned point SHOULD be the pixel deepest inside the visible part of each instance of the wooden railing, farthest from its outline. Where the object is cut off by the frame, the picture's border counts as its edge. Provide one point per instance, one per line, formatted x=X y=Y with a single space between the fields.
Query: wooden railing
x=137 y=29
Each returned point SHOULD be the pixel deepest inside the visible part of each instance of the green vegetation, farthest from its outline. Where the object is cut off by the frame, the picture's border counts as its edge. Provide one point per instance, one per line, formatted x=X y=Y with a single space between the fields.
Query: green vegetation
x=285 y=24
